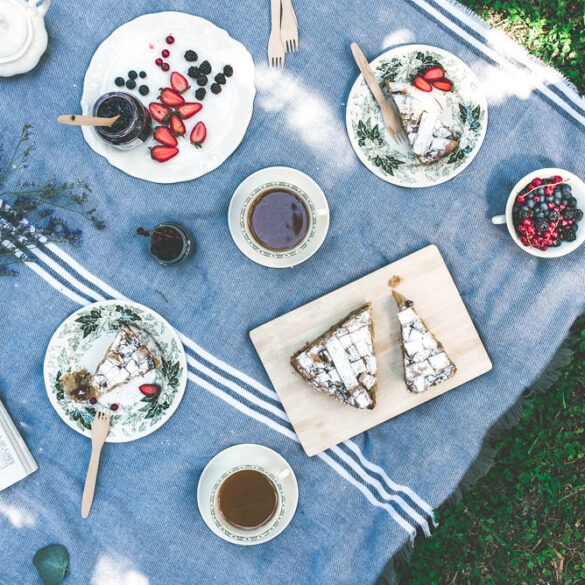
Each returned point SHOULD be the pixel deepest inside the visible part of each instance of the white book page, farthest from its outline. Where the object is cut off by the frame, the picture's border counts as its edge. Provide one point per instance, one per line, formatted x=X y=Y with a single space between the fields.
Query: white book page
x=16 y=461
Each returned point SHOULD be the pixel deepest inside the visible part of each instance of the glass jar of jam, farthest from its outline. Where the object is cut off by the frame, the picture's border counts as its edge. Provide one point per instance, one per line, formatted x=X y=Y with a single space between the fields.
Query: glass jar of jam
x=131 y=129
x=170 y=243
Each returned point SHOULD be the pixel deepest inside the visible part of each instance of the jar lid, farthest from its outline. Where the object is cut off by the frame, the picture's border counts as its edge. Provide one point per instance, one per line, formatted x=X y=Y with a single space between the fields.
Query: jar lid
x=16 y=31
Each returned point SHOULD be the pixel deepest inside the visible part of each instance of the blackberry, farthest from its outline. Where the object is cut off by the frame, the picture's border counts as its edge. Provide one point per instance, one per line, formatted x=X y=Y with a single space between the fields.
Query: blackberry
x=228 y=70
x=205 y=67
x=522 y=215
x=142 y=74
x=200 y=93
x=190 y=56
x=570 y=236
x=119 y=81
x=574 y=214
x=193 y=72
x=220 y=78
x=553 y=215
x=202 y=79
x=541 y=225
x=215 y=88
x=143 y=90
x=132 y=74
x=130 y=84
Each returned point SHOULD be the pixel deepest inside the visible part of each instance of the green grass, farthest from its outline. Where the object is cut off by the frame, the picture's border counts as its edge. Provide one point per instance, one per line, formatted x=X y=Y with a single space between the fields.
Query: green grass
x=524 y=521
x=553 y=30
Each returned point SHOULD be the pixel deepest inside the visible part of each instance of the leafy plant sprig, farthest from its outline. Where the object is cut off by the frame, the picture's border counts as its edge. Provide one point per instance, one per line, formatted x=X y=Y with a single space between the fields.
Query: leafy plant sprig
x=30 y=213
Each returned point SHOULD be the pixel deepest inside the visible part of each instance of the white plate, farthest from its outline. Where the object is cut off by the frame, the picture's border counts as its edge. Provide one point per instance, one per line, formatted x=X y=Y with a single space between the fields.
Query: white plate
x=226 y=115
x=82 y=340
x=312 y=195
x=396 y=163
x=248 y=456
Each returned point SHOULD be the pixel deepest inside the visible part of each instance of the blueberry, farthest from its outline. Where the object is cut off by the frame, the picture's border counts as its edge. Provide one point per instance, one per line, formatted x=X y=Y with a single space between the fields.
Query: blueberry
x=130 y=84
x=193 y=72
x=119 y=81
x=531 y=204
x=200 y=93
x=524 y=208
x=549 y=198
x=190 y=56
x=205 y=67
x=220 y=78
x=143 y=90
x=228 y=70
x=215 y=88
x=540 y=192
x=566 y=189
x=543 y=206
x=202 y=79
x=142 y=74
x=132 y=74
x=572 y=202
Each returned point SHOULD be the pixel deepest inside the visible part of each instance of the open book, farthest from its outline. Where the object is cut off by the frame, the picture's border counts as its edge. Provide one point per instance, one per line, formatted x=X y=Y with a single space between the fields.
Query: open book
x=16 y=461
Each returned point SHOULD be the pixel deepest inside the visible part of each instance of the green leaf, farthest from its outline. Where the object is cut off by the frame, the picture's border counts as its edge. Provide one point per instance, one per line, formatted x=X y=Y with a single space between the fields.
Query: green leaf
x=52 y=563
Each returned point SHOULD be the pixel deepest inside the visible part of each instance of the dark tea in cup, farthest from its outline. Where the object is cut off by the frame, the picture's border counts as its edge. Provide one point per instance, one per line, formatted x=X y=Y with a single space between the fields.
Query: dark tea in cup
x=247 y=499
x=278 y=219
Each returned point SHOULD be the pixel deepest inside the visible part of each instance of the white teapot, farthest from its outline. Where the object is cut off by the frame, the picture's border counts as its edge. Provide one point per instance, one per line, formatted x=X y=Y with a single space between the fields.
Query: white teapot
x=23 y=37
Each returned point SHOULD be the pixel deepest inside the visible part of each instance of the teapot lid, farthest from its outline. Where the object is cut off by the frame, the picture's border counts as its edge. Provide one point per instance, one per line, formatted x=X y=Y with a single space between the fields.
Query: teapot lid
x=15 y=30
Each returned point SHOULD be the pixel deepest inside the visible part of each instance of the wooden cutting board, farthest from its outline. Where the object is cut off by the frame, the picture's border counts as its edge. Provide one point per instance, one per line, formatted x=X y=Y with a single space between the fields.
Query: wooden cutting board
x=319 y=420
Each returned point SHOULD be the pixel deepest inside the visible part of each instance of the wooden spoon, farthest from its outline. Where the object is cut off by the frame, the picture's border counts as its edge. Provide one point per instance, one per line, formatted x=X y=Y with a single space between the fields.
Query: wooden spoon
x=76 y=120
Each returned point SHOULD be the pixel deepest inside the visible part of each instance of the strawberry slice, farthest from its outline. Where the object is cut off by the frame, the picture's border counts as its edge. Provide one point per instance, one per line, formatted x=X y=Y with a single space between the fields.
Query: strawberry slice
x=170 y=97
x=189 y=109
x=434 y=74
x=443 y=85
x=163 y=135
x=149 y=389
x=163 y=153
x=198 y=134
x=423 y=84
x=177 y=126
x=159 y=112
x=179 y=83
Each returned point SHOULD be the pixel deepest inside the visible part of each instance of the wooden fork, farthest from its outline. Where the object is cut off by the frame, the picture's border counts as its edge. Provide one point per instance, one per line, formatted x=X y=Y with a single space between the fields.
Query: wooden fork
x=275 y=46
x=390 y=117
x=99 y=431
x=289 y=27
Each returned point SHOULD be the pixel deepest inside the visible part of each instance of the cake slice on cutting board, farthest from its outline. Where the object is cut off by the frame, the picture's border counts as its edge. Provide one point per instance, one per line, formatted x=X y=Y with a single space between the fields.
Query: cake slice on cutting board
x=341 y=362
x=426 y=362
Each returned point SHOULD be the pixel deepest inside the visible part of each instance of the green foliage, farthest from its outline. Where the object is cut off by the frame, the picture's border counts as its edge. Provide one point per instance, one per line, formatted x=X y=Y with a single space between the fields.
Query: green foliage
x=553 y=30
x=523 y=523
x=52 y=563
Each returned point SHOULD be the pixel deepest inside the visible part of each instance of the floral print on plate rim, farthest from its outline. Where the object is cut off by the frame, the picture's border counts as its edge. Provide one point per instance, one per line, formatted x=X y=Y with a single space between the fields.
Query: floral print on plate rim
x=396 y=163
x=77 y=341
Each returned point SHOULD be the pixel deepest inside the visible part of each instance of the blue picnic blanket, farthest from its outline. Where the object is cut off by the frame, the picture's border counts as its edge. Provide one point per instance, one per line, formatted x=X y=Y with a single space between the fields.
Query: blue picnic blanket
x=361 y=502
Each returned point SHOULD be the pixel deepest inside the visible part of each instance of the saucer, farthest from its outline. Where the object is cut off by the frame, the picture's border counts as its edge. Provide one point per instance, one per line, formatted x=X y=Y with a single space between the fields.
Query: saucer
x=236 y=458
x=306 y=188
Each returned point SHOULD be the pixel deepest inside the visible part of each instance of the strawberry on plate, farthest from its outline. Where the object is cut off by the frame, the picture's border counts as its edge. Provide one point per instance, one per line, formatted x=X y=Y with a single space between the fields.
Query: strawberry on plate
x=189 y=109
x=149 y=389
x=423 y=84
x=179 y=83
x=170 y=97
x=198 y=134
x=443 y=85
x=177 y=126
x=434 y=73
x=163 y=153
x=164 y=136
x=159 y=112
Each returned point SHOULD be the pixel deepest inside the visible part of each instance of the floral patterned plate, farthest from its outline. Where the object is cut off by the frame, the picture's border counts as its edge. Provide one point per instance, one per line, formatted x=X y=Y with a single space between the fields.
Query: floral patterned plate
x=396 y=163
x=82 y=340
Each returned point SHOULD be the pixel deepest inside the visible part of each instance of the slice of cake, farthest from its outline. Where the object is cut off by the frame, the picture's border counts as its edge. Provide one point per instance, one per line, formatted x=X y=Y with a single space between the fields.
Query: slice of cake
x=342 y=362
x=423 y=118
x=126 y=358
x=426 y=363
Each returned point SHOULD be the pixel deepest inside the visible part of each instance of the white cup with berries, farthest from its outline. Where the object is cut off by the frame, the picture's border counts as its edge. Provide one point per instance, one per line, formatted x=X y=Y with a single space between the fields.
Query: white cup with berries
x=544 y=213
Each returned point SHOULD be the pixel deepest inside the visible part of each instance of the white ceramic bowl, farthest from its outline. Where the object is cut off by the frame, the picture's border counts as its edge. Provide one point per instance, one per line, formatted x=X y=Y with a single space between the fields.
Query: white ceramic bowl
x=578 y=191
